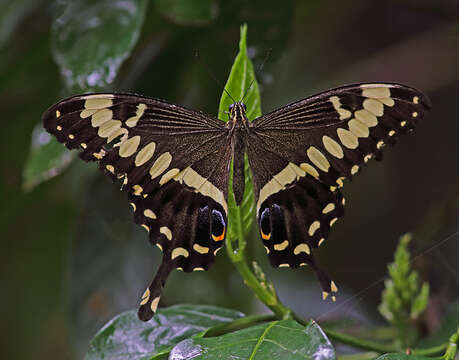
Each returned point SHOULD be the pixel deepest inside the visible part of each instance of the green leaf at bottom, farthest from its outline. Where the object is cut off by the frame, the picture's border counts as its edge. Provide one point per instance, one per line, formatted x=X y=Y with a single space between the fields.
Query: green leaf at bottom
x=286 y=340
x=126 y=337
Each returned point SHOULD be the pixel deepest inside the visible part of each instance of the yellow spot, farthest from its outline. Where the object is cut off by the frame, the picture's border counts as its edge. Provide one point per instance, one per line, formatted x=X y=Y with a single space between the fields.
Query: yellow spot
x=355 y=169
x=129 y=147
x=366 y=117
x=330 y=207
x=318 y=159
x=321 y=241
x=302 y=248
x=324 y=295
x=132 y=121
x=179 y=252
x=71 y=136
x=267 y=250
x=59 y=128
x=146 y=227
x=58 y=113
x=332 y=188
x=83 y=145
x=108 y=128
x=145 y=297
x=99 y=155
x=98 y=101
x=101 y=116
x=110 y=168
x=116 y=134
x=160 y=165
x=375 y=91
x=154 y=304
x=137 y=190
x=416 y=100
x=339 y=181
x=343 y=201
x=282 y=246
x=333 y=287
x=373 y=106
x=133 y=206
x=166 y=231
x=387 y=101
x=380 y=144
x=391 y=133
x=403 y=123
x=367 y=157
x=313 y=228
x=284 y=265
x=149 y=214
x=145 y=154
x=169 y=175
x=343 y=113
x=200 y=249
x=358 y=128
x=159 y=246
x=332 y=147
x=303 y=264
x=217 y=250
x=332 y=221
x=265 y=236
x=347 y=138
x=415 y=114
x=199 y=269
x=333 y=298
x=309 y=169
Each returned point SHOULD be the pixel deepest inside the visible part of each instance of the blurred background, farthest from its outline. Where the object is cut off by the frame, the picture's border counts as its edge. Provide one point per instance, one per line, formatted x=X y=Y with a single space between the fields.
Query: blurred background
x=71 y=257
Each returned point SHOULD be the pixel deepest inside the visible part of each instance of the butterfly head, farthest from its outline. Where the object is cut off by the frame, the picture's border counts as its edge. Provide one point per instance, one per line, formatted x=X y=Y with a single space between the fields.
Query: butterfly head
x=237 y=113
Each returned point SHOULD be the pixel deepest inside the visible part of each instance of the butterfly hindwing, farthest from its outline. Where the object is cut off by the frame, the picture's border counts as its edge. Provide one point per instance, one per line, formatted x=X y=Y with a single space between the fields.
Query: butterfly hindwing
x=174 y=164
x=301 y=153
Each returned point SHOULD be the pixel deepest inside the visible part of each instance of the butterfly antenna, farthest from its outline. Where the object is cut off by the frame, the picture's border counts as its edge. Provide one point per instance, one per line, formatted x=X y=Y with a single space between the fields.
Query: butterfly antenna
x=258 y=71
x=206 y=67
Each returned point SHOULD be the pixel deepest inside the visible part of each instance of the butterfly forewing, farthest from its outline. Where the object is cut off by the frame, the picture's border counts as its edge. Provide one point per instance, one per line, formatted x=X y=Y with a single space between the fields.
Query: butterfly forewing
x=301 y=153
x=173 y=162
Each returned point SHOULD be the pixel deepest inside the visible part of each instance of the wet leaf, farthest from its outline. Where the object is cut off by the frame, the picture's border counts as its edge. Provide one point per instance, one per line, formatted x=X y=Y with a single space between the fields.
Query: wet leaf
x=284 y=339
x=126 y=337
x=47 y=158
x=188 y=12
x=91 y=39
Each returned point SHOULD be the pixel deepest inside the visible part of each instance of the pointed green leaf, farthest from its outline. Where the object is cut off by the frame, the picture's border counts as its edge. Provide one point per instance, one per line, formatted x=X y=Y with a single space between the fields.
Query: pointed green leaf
x=286 y=340
x=241 y=84
x=47 y=158
x=126 y=337
x=91 y=39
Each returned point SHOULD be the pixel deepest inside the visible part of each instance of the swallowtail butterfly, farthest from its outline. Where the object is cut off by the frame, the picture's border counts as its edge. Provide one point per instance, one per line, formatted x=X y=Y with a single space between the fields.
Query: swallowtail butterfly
x=175 y=163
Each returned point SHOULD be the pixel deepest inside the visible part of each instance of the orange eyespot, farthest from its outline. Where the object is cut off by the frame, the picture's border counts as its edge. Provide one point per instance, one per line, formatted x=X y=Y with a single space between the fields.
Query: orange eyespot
x=265 y=236
x=220 y=237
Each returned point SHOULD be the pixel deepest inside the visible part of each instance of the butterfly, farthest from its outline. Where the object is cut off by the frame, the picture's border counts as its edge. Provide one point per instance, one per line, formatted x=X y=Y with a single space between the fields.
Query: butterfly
x=174 y=164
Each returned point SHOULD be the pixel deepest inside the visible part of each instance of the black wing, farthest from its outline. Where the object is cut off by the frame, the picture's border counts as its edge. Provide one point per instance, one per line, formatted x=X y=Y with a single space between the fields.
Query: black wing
x=173 y=162
x=300 y=155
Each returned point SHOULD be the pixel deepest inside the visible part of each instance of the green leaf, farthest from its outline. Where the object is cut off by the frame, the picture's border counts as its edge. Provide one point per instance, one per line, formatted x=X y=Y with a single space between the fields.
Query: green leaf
x=188 y=12
x=91 y=39
x=286 y=340
x=47 y=158
x=241 y=84
x=126 y=337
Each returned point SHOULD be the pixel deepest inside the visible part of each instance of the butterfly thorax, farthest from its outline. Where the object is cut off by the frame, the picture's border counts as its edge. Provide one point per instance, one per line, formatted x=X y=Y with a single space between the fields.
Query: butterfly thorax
x=238 y=126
